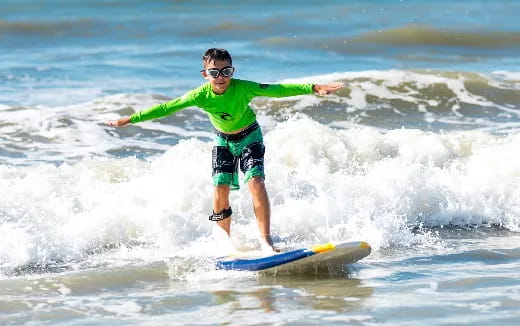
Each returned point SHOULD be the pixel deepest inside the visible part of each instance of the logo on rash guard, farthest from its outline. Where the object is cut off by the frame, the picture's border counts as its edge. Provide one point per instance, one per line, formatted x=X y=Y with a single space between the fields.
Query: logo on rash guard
x=225 y=116
x=264 y=86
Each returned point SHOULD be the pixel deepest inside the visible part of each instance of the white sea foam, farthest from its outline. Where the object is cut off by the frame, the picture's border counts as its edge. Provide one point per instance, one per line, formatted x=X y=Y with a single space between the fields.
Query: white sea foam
x=66 y=133
x=508 y=75
x=324 y=184
x=506 y=79
x=383 y=84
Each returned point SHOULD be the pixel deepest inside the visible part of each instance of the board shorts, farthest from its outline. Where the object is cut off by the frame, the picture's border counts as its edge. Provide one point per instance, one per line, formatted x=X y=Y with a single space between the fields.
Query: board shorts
x=245 y=149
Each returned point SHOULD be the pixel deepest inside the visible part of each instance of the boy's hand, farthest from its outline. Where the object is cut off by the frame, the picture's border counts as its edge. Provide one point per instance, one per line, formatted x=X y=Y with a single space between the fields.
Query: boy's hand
x=119 y=123
x=328 y=88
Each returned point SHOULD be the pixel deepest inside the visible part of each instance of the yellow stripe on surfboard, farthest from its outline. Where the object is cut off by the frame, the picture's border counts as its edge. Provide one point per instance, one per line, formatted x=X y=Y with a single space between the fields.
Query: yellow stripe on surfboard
x=364 y=245
x=324 y=247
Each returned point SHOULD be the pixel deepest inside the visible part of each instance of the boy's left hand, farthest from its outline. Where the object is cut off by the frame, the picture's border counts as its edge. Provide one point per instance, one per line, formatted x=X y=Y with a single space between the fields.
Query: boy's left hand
x=328 y=88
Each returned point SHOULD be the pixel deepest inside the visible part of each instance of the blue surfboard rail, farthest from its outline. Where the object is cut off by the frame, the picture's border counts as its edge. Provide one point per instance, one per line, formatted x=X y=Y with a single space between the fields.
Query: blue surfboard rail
x=265 y=262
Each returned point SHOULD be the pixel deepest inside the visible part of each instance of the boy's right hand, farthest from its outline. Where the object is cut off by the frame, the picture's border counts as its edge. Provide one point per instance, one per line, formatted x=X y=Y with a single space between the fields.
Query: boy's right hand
x=119 y=123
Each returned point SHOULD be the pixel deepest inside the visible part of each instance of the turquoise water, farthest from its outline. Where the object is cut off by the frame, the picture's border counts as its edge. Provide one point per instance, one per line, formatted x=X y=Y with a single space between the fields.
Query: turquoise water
x=100 y=48
x=418 y=155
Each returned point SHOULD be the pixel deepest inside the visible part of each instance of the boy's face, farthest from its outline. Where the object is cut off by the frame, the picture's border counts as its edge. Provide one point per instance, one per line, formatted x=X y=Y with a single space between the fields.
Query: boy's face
x=221 y=83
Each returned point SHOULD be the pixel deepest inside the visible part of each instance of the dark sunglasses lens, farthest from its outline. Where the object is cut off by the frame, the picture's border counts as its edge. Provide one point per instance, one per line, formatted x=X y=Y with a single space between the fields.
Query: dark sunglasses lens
x=213 y=72
x=226 y=72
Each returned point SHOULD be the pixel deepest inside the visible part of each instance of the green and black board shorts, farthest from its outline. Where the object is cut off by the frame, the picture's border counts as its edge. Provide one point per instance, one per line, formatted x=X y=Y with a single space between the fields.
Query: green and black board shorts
x=245 y=149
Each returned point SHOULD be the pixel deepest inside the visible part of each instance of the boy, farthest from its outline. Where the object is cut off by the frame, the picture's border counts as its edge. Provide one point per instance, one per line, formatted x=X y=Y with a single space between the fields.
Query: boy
x=238 y=138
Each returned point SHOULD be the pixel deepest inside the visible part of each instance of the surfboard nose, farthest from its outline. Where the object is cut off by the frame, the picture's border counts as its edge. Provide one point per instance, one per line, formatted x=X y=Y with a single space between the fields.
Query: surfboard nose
x=365 y=245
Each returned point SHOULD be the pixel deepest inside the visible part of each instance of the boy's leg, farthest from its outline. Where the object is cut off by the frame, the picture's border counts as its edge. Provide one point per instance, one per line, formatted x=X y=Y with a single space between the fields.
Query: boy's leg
x=220 y=203
x=262 y=208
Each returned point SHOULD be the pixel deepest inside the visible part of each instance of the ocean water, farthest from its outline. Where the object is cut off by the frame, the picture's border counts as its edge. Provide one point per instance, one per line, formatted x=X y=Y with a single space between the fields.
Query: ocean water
x=418 y=155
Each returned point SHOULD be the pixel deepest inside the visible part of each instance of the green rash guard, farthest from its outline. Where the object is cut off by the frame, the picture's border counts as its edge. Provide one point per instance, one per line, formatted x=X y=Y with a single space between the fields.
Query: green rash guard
x=228 y=112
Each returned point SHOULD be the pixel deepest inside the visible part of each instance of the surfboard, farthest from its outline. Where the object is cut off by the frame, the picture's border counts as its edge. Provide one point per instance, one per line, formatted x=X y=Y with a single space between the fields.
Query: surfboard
x=296 y=261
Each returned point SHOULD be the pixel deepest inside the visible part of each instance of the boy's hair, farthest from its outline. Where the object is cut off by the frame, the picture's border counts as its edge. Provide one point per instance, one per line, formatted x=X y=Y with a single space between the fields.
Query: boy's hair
x=214 y=54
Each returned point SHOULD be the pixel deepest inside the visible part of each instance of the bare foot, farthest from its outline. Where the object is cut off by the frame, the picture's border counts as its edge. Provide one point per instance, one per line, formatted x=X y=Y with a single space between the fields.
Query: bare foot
x=266 y=244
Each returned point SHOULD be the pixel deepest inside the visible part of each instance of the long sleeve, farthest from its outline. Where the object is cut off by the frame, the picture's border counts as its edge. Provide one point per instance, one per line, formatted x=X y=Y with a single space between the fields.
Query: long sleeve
x=164 y=109
x=279 y=90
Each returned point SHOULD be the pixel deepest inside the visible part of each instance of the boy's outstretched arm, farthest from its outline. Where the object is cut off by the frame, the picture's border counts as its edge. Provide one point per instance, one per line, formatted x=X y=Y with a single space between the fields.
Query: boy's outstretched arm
x=286 y=90
x=327 y=88
x=159 y=110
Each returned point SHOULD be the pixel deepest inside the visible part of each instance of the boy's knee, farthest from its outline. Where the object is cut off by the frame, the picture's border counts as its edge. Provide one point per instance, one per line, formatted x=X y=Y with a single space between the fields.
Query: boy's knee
x=222 y=191
x=222 y=188
x=257 y=183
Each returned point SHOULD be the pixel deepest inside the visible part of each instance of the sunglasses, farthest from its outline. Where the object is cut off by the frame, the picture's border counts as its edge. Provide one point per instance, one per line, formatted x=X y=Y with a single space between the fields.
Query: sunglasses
x=214 y=72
